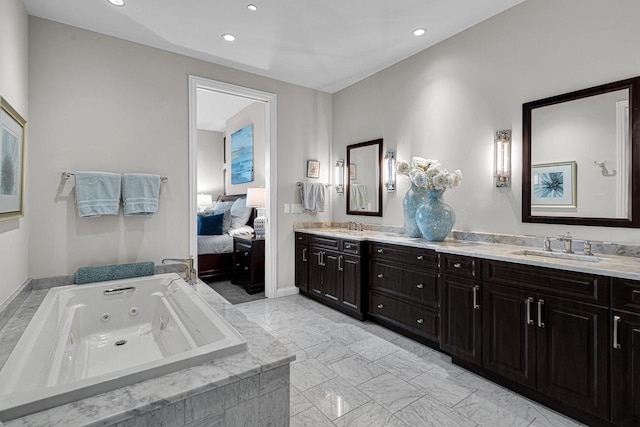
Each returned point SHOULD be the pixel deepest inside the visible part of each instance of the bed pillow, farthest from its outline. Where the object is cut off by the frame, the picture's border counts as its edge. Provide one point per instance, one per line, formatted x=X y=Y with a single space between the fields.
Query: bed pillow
x=244 y=230
x=240 y=213
x=225 y=208
x=210 y=225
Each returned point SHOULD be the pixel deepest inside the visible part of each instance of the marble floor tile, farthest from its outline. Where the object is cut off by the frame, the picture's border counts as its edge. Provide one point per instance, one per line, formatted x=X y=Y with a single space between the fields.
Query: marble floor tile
x=302 y=335
x=428 y=412
x=404 y=365
x=329 y=352
x=391 y=392
x=349 y=334
x=483 y=408
x=442 y=387
x=310 y=373
x=357 y=370
x=336 y=397
x=310 y=418
x=373 y=348
x=443 y=363
x=544 y=417
x=297 y=402
x=369 y=415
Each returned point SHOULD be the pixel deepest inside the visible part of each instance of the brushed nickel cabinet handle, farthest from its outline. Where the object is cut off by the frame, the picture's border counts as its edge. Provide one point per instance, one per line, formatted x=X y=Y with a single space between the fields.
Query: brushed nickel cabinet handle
x=419 y=286
x=421 y=321
x=380 y=250
x=528 y=302
x=476 y=288
x=380 y=306
x=380 y=276
x=457 y=265
x=304 y=254
x=616 y=322
x=420 y=257
x=540 y=305
x=341 y=263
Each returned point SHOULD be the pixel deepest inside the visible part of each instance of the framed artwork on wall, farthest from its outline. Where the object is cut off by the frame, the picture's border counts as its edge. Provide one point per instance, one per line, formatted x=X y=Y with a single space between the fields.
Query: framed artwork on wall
x=12 y=150
x=352 y=171
x=313 y=169
x=242 y=155
x=554 y=185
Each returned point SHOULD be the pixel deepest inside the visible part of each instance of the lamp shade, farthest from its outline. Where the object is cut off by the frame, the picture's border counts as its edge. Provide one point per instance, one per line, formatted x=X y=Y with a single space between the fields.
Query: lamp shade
x=256 y=197
x=205 y=200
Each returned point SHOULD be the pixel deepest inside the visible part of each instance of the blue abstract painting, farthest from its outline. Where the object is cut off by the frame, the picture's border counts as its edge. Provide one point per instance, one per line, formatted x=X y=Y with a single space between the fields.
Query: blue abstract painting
x=550 y=185
x=242 y=155
x=554 y=184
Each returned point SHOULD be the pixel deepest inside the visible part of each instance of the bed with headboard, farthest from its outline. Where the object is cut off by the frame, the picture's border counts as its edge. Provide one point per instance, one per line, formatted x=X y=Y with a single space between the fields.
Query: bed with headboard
x=215 y=252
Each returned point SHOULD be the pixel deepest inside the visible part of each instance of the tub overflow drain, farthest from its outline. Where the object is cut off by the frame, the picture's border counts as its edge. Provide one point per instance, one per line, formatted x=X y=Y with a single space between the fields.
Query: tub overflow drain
x=120 y=342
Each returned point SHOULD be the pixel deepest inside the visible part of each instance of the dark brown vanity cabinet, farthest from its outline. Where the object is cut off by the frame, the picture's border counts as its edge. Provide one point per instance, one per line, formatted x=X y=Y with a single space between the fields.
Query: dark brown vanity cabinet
x=404 y=290
x=625 y=352
x=329 y=270
x=548 y=330
x=461 y=331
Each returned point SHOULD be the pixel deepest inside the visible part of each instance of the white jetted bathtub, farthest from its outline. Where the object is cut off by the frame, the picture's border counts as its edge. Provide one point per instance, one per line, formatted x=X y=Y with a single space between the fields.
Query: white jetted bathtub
x=88 y=339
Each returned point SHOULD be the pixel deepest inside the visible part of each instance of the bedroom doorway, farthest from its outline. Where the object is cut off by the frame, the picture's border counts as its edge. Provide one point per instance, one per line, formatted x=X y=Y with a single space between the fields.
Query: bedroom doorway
x=265 y=163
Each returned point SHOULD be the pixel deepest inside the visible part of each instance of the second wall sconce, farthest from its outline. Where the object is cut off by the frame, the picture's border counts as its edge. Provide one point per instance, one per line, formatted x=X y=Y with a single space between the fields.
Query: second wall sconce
x=390 y=171
x=503 y=158
x=339 y=176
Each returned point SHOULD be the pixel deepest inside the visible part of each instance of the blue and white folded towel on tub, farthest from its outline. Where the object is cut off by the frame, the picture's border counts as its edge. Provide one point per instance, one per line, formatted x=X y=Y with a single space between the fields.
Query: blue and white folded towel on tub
x=140 y=192
x=97 y=193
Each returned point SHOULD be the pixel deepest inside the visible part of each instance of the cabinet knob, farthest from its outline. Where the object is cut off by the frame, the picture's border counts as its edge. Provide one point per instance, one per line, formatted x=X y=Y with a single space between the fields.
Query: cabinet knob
x=380 y=276
x=238 y=265
x=419 y=286
x=420 y=257
x=380 y=306
x=380 y=250
x=457 y=265
x=246 y=254
x=246 y=268
x=421 y=321
x=299 y=237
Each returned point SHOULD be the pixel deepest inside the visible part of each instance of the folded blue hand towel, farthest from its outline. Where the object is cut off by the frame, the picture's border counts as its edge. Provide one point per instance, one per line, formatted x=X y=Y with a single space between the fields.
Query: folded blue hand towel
x=97 y=193
x=312 y=196
x=140 y=193
x=114 y=272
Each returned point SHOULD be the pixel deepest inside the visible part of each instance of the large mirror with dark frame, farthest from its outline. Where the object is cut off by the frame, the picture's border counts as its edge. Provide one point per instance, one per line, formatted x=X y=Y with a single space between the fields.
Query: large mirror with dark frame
x=364 y=178
x=581 y=157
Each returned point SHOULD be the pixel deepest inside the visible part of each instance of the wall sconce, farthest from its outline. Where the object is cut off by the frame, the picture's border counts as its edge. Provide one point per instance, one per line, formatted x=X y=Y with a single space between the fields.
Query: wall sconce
x=503 y=158
x=256 y=198
x=390 y=171
x=339 y=176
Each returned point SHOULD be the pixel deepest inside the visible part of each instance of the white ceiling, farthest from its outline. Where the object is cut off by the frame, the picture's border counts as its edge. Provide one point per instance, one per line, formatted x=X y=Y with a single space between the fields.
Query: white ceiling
x=215 y=108
x=321 y=44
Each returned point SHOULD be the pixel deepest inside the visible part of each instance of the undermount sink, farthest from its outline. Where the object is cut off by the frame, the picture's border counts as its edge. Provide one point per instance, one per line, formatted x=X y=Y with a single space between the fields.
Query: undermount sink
x=558 y=255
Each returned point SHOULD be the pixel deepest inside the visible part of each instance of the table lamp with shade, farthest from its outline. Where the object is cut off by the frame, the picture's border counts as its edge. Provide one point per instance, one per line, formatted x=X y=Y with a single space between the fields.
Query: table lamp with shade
x=256 y=198
x=204 y=201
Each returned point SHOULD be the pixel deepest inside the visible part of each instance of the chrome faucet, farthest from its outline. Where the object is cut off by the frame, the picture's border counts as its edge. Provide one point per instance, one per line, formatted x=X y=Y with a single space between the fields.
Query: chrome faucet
x=191 y=275
x=354 y=225
x=566 y=241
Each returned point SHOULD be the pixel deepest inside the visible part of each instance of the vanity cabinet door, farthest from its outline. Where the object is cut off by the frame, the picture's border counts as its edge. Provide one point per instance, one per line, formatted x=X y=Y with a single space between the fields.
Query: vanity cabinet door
x=461 y=333
x=332 y=277
x=509 y=333
x=625 y=369
x=573 y=348
x=302 y=266
x=316 y=270
x=351 y=269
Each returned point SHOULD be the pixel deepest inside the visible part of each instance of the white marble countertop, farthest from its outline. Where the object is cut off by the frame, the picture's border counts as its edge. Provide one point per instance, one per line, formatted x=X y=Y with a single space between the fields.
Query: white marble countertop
x=624 y=267
x=263 y=353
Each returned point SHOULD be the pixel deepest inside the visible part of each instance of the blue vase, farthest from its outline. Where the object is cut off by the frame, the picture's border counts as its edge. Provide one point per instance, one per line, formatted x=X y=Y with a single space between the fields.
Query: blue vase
x=413 y=199
x=435 y=219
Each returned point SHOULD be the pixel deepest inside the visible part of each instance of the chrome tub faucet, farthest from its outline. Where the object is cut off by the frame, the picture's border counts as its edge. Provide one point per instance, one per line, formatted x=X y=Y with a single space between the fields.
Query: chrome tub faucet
x=191 y=275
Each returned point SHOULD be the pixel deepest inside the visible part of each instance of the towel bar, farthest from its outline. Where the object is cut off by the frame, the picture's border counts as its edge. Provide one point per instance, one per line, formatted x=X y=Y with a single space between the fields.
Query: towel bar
x=67 y=175
x=300 y=183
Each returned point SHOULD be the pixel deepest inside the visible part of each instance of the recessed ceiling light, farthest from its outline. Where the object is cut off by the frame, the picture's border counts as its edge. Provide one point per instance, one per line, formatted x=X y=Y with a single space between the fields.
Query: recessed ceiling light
x=229 y=37
x=116 y=2
x=419 y=32
x=252 y=7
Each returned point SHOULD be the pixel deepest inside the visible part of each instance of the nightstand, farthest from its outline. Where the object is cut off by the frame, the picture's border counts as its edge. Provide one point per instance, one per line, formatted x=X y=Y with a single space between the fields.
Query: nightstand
x=248 y=263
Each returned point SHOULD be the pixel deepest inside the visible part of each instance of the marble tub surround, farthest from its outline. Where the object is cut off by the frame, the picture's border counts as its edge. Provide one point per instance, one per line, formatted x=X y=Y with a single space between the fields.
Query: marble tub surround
x=507 y=248
x=242 y=388
x=15 y=300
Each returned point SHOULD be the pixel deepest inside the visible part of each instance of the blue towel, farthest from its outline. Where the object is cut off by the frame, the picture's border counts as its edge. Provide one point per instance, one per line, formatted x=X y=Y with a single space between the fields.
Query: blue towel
x=114 y=272
x=97 y=193
x=140 y=193
x=312 y=196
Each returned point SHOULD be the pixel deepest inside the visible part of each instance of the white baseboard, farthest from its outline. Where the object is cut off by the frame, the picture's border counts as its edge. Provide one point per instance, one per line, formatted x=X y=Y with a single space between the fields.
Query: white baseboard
x=285 y=292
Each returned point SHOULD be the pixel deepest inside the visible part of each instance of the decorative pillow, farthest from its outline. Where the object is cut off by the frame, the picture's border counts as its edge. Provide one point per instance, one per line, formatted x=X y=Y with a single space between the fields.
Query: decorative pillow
x=225 y=208
x=210 y=225
x=244 y=230
x=240 y=213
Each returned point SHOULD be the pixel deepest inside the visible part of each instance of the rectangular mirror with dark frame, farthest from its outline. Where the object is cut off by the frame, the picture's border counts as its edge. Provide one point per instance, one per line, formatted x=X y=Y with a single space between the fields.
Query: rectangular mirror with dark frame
x=364 y=178
x=581 y=157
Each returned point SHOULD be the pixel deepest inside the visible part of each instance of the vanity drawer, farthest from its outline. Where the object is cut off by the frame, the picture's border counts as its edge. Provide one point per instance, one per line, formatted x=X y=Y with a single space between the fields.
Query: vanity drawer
x=625 y=294
x=459 y=265
x=422 y=287
x=325 y=242
x=571 y=284
x=351 y=247
x=424 y=258
x=420 y=321
x=386 y=277
x=302 y=238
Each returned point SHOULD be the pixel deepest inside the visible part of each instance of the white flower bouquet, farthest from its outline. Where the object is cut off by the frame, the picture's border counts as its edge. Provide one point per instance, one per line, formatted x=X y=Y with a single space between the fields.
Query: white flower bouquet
x=429 y=174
